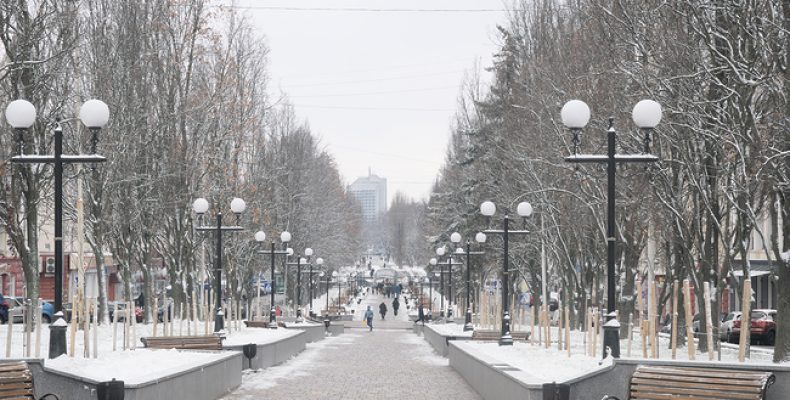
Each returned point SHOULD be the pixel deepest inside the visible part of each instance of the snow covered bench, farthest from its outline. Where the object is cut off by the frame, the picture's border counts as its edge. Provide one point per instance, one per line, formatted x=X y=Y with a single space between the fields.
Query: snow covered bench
x=16 y=382
x=207 y=342
x=261 y=324
x=478 y=334
x=669 y=382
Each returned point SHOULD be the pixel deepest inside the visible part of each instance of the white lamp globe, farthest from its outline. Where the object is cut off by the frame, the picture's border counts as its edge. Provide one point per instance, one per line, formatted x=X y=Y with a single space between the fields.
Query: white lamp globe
x=524 y=209
x=285 y=237
x=334 y=273
x=646 y=114
x=459 y=250
x=308 y=252
x=455 y=237
x=440 y=251
x=238 y=205
x=94 y=113
x=260 y=236
x=480 y=237
x=20 y=114
x=487 y=208
x=321 y=273
x=200 y=205
x=302 y=260
x=427 y=280
x=436 y=274
x=319 y=261
x=432 y=261
x=289 y=251
x=575 y=114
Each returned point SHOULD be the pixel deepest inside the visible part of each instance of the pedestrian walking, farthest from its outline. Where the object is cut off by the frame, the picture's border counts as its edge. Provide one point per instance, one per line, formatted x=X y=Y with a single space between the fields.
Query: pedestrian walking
x=395 y=306
x=420 y=315
x=382 y=310
x=369 y=318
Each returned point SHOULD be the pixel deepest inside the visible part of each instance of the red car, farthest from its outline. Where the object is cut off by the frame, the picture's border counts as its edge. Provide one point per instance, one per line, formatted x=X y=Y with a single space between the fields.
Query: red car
x=763 y=327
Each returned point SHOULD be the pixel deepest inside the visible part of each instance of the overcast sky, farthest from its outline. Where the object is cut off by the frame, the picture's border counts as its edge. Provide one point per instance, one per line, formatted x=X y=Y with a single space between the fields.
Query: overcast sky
x=378 y=87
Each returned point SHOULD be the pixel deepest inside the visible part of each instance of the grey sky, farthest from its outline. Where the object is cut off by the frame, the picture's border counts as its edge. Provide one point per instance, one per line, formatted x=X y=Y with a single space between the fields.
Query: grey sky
x=379 y=88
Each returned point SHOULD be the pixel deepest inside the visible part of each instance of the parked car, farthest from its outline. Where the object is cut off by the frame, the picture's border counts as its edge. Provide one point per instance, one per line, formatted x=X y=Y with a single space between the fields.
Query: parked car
x=3 y=309
x=725 y=334
x=16 y=309
x=138 y=312
x=762 y=327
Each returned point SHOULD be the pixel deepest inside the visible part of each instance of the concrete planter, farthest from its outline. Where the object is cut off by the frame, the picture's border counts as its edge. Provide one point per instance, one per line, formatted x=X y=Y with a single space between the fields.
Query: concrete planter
x=439 y=342
x=273 y=353
x=490 y=378
x=313 y=332
x=207 y=381
x=493 y=379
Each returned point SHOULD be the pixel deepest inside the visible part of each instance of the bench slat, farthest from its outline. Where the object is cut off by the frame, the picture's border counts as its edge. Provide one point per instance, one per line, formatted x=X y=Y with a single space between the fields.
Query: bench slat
x=674 y=380
x=16 y=381
x=703 y=372
x=697 y=383
x=210 y=342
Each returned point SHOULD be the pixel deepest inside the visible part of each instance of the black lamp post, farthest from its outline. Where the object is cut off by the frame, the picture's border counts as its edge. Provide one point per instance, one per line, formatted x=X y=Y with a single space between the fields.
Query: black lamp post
x=646 y=115
x=299 y=262
x=200 y=206
x=488 y=209
x=430 y=289
x=21 y=115
x=285 y=237
x=480 y=238
x=319 y=261
x=440 y=275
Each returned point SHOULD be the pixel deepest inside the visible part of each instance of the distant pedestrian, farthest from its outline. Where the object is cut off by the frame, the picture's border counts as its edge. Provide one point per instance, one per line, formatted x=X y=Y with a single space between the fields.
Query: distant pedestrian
x=382 y=310
x=420 y=315
x=395 y=306
x=369 y=318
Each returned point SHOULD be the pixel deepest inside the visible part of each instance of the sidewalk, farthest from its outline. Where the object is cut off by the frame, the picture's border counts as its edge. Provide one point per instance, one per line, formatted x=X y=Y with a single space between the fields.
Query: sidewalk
x=388 y=363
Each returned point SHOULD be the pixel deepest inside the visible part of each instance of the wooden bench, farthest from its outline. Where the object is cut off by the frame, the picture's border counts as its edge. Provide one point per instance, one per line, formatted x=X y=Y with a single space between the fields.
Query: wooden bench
x=256 y=324
x=670 y=382
x=496 y=335
x=208 y=342
x=16 y=382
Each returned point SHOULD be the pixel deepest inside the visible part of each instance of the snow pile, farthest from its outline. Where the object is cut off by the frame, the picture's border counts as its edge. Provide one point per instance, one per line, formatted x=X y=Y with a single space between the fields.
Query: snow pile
x=545 y=365
x=258 y=336
x=449 y=329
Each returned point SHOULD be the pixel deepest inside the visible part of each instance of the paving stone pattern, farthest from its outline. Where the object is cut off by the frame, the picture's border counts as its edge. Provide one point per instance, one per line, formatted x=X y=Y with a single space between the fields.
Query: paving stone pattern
x=389 y=363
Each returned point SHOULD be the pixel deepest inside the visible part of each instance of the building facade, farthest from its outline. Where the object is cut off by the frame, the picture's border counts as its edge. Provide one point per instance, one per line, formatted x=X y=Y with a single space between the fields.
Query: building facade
x=371 y=192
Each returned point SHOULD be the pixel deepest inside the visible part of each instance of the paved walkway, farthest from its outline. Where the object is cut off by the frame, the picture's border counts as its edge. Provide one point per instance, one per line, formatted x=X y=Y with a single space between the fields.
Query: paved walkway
x=389 y=363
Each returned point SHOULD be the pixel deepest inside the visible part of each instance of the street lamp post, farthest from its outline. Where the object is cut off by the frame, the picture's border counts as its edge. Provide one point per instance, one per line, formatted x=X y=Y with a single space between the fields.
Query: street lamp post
x=440 y=275
x=480 y=237
x=200 y=206
x=21 y=115
x=319 y=261
x=285 y=237
x=488 y=209
x=299 y=262
x=646 y=115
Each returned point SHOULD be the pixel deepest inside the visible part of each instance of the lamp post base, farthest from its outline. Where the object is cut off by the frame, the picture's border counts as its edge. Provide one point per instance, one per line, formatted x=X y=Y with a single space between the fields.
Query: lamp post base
x=219 y=321
x=506 y=339
x=273 y=318
x=57 y=336
x=468 y=321
x=611 y=338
